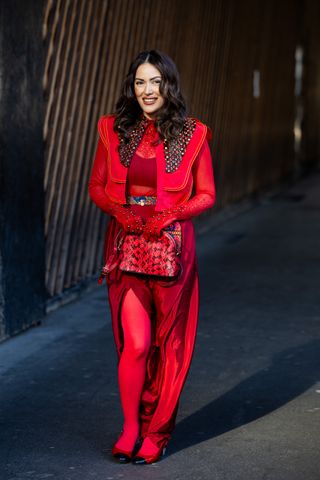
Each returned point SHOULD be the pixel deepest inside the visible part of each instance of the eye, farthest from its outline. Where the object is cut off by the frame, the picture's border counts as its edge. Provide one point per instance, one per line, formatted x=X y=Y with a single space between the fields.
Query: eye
x=138 y=82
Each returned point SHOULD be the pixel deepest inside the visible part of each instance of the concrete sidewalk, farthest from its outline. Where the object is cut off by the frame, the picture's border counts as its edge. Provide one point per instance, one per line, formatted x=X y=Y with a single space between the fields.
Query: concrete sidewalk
x=250 y=408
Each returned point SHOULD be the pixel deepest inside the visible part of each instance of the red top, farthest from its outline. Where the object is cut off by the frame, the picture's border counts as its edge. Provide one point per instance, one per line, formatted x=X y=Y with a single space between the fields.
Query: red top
x=142 y=173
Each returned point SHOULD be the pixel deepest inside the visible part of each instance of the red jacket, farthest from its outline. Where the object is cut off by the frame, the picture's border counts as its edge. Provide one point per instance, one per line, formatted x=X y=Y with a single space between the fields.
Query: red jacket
x=173 y=188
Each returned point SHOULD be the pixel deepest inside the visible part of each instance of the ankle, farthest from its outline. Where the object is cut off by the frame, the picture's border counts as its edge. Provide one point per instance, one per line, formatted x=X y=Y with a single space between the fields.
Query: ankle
x=130 y=430
x=128 y=437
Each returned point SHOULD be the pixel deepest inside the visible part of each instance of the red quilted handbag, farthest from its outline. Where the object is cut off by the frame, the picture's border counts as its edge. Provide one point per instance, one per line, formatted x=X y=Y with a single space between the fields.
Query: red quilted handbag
x=159 y=257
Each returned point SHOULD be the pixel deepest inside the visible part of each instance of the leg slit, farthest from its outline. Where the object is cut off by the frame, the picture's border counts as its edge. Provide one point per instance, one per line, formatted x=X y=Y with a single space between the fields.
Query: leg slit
x=135 y=322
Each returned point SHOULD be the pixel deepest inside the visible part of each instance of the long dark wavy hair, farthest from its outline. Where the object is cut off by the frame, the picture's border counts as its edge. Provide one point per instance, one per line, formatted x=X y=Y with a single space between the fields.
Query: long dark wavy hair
x=173 y=113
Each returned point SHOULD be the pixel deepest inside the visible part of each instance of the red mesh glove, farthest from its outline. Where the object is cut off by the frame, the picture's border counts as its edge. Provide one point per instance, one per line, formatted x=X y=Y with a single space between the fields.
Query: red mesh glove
x=204 y=198
x=130 y=221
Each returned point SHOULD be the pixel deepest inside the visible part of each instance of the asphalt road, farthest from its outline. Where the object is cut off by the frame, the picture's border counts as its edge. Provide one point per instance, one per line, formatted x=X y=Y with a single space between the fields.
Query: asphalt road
x=250 y=408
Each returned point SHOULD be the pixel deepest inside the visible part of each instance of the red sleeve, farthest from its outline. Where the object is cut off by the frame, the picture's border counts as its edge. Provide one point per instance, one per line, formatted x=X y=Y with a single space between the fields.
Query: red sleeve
x=205 y=192
x=96 y=186
x=98 y=179
x=203 y=199
x=202 y=171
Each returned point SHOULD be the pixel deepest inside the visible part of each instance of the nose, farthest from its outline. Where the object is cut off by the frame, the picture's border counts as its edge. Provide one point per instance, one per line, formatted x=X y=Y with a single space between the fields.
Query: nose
x=148 y=88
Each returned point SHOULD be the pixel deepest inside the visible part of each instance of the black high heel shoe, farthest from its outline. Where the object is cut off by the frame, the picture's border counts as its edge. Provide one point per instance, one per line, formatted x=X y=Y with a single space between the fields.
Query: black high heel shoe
x=140 y=459
x=122 y=456
x=125 y=456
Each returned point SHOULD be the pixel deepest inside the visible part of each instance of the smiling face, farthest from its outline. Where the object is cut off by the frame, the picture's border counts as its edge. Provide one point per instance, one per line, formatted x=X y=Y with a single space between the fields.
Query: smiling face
x=146 y=88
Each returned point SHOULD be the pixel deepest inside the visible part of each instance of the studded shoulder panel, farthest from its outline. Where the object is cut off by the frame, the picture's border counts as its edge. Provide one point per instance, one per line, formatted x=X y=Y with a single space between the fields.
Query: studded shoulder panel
x=173 y=150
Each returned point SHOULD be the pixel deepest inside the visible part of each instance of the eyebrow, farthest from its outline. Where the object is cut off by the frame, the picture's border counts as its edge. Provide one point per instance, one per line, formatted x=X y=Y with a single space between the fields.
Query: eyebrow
x=158 y=76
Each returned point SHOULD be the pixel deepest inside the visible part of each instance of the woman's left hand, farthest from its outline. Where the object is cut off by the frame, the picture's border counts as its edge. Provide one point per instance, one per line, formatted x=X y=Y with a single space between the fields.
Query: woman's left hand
x=154 y=225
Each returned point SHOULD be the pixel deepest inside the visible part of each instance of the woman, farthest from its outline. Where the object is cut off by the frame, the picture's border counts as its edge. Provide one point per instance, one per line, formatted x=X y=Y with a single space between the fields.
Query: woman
x=150 y=156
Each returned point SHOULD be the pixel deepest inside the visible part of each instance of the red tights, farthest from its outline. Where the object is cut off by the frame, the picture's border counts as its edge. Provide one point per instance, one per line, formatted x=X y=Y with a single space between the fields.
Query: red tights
x=132 y=368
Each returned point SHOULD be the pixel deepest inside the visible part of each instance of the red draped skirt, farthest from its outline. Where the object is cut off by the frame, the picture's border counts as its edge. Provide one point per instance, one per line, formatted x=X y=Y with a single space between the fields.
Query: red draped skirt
x=173 y=312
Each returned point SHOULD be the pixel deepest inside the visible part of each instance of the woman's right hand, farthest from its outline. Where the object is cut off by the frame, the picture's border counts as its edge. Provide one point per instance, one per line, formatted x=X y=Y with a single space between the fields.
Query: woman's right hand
x=130 y=221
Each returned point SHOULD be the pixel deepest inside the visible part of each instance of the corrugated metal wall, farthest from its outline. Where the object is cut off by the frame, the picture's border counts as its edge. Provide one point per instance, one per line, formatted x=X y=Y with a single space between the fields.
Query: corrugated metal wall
x=217 y=45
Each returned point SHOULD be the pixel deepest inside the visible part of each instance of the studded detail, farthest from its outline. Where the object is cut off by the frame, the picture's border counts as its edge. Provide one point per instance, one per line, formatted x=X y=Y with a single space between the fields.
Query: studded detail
x=196 y=205
x=173 y=150
x=126 y=150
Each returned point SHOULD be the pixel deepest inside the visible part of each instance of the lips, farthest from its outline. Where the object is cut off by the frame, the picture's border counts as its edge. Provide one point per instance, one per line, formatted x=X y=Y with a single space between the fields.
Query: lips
x=149 y=100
